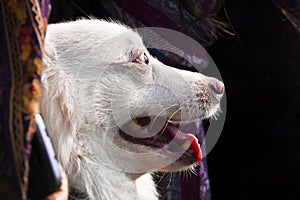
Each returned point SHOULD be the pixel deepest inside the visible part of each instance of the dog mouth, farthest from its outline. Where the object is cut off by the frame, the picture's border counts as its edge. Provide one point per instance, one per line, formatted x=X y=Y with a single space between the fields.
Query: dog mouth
x=162 y=134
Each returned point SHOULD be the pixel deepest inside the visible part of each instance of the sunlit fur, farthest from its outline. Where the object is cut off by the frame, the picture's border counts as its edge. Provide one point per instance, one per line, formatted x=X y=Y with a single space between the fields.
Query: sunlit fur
x=89 y=85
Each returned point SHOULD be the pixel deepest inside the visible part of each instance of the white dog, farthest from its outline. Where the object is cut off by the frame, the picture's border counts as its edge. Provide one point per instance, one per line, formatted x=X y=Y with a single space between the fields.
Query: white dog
x=113 y=111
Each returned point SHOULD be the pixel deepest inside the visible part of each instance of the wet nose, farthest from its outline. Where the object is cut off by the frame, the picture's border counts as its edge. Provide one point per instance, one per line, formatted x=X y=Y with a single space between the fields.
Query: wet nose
x=216 y=86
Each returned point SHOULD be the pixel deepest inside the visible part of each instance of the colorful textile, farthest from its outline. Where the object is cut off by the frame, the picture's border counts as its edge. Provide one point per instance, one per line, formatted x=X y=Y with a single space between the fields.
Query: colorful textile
x=22 y=30
x=192 y=18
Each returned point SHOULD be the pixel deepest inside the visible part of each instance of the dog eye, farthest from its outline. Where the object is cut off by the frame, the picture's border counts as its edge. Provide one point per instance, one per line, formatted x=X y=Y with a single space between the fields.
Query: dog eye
x=143 y=58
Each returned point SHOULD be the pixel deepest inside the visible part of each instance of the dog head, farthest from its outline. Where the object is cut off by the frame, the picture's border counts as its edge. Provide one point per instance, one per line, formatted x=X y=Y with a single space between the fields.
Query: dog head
x=134 y=106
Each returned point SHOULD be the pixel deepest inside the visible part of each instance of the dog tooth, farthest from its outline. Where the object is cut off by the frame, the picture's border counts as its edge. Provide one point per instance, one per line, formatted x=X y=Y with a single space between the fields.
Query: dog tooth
x=186 y=145
x=174 y=122
x=144 y=131
x=131 y=124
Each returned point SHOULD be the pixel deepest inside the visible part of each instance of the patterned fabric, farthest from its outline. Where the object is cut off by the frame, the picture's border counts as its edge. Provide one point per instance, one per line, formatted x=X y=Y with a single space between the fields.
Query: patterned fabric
x=22 y=30
x=191 y=17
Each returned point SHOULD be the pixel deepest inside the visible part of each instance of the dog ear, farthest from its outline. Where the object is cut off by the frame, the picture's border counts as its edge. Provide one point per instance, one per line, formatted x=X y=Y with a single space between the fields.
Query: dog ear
x=58 y=106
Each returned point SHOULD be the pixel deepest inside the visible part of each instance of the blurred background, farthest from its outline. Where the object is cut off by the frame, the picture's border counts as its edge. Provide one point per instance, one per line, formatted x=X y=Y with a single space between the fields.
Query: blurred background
x=258 y=153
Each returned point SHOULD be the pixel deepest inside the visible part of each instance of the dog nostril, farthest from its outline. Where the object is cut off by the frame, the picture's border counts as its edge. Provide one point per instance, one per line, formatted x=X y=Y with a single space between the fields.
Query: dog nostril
x=217 y=86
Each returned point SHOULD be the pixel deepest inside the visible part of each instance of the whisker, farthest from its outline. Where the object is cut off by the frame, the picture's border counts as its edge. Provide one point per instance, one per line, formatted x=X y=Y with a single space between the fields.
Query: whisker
x=161 y=112
x=170 y=179
x=161 y=177
x=175 y=113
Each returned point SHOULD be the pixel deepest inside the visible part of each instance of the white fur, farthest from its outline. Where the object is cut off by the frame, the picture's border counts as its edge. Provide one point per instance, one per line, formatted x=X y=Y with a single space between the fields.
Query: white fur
x=89 y=86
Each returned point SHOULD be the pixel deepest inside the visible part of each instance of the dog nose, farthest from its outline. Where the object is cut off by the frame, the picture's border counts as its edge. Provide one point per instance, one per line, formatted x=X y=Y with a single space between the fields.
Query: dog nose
x=216 y=86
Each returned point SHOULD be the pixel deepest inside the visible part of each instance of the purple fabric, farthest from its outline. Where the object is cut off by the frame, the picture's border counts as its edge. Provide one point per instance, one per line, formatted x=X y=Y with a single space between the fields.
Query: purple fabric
x=190 y=185
x=22 y=29
x=196 y=186
x=147 y=14
x=191 y=17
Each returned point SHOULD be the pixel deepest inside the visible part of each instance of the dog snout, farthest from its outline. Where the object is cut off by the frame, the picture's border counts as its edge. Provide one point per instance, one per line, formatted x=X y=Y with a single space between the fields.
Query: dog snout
x=216 y=86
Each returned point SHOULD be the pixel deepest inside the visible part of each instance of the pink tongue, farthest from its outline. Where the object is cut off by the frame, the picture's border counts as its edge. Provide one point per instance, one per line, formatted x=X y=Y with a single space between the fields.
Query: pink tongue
x=183 y=137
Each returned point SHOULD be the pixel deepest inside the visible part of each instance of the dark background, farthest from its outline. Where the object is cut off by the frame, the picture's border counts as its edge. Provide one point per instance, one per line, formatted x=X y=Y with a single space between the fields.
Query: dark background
x=258 y=154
